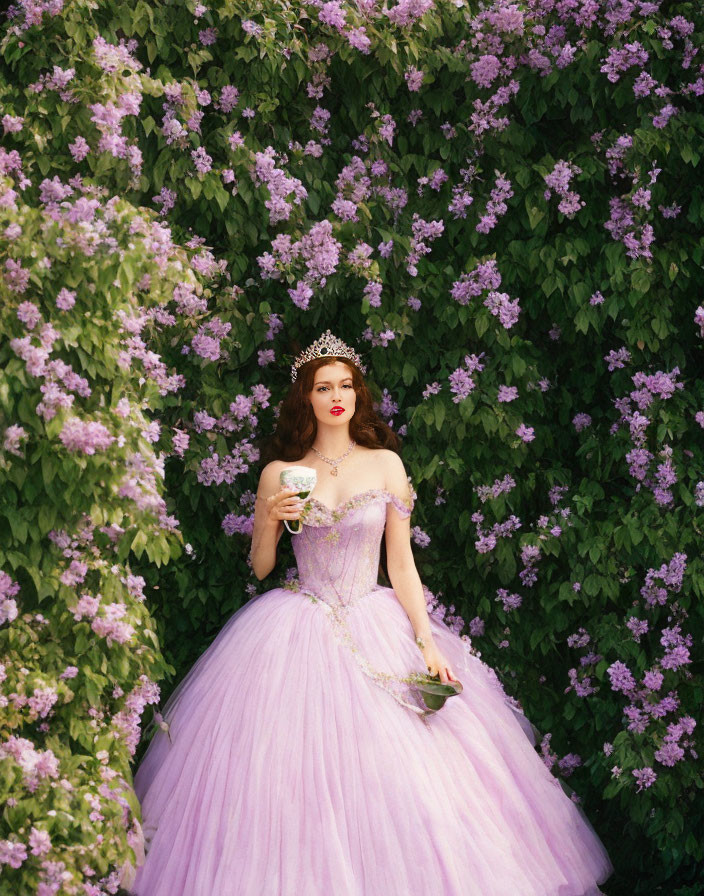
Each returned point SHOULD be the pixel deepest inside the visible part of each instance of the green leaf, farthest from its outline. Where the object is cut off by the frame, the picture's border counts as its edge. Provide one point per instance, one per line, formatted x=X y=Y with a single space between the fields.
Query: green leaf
x=409 y=373
x=139 y=542
x=439 y=415
x=641 y=281
x=536 y=213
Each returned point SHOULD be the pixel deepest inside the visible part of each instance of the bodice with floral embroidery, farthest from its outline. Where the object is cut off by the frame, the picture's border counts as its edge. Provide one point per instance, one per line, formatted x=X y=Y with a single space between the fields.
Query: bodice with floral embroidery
x=337 y=551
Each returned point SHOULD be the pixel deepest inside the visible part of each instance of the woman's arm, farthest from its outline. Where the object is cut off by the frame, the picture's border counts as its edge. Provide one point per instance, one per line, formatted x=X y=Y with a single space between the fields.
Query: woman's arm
x=403 y=574
x=402 y=570
x=266 y=532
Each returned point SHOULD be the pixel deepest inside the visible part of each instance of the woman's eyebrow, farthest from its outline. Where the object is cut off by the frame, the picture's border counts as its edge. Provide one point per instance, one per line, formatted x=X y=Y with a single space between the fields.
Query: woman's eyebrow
x=328 y=383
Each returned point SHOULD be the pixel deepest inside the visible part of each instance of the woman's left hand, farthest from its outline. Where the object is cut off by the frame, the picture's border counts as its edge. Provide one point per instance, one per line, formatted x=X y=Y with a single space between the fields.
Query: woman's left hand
x=436 y=662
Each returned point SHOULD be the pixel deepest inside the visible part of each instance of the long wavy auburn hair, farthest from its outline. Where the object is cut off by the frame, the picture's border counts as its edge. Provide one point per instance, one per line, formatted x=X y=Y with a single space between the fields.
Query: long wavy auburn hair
x=297 y=426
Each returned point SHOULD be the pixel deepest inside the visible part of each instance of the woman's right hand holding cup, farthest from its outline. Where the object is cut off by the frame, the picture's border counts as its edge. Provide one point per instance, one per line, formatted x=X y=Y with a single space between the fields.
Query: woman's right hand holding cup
x=285 y=505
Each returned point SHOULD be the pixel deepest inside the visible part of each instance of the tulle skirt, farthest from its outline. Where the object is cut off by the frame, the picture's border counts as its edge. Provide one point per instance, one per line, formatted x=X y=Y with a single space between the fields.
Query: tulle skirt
x=288 y=771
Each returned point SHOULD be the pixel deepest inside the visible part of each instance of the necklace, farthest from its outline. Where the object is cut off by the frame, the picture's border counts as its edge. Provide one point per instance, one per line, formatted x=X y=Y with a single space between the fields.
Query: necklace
x=334 y=462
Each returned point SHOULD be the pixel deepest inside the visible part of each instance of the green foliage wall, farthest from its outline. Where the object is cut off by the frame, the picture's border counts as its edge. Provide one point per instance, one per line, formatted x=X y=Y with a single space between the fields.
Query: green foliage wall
x=501 y=207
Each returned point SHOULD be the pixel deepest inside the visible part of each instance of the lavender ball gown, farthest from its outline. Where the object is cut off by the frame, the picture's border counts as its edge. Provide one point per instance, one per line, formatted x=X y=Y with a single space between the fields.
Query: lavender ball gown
x=299 y=764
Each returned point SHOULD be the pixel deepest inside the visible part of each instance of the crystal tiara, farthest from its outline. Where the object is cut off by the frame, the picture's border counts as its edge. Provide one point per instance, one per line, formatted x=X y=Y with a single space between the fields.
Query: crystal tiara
x=326 y=345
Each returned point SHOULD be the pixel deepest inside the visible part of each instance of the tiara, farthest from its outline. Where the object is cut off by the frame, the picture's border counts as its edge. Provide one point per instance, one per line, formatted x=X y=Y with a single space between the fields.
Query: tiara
x=326 y=346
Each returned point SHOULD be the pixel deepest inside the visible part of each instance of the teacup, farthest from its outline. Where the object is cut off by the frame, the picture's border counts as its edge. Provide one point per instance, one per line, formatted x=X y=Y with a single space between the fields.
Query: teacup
x=303 y=479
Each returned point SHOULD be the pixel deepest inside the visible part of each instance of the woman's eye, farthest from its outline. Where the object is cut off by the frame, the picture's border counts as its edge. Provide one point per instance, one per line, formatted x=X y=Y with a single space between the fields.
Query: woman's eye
x=346 y=386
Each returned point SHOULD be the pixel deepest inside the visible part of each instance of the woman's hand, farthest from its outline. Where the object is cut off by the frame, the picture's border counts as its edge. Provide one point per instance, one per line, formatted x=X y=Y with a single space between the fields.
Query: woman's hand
x=436 y=662
x=284 y=505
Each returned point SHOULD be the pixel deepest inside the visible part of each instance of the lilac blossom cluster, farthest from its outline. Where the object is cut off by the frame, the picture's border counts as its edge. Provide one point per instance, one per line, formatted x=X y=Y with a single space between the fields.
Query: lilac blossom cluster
x=499 y=487
x=214 y=470
x=33 y=697
x=319 y=252
x=8 y=591
x=508 y=601
x=649 y=387
x=646 y=705
x=487 y=539
x=628 y=219
x=496 y=205
x=581 y=681
x=670 y=574
x=423 y=232
x=279 y=184
x=461 y=381
x=566 y=764
x=559 y=181
x=486 y=276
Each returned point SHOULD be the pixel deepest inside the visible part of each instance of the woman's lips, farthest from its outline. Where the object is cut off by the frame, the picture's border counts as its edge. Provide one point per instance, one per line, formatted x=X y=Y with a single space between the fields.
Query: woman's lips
x=337 y=411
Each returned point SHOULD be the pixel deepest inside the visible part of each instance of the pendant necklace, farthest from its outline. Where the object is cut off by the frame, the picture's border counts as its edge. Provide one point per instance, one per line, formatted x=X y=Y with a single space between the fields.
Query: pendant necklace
x=335 y=461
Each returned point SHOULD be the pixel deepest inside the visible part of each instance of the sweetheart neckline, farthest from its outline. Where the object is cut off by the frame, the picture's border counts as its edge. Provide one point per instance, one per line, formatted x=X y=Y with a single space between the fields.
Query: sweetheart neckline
x=368 y=491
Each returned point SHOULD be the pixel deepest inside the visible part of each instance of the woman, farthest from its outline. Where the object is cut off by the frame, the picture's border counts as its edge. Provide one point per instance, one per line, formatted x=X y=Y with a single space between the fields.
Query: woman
x=298 y=757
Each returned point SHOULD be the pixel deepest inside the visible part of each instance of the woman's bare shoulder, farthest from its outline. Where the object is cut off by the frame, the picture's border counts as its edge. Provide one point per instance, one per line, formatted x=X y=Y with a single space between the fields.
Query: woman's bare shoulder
x=269 y=476
x=390 y=459
x=273 y=465
x=386 y=454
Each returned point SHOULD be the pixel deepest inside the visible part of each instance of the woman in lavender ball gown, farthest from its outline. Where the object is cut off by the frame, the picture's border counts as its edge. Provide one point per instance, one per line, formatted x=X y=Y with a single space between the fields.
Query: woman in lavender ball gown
x=295 y=760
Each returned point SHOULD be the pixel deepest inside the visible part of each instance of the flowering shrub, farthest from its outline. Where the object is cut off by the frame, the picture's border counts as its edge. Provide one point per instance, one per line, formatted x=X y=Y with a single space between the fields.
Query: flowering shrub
x=499 y=206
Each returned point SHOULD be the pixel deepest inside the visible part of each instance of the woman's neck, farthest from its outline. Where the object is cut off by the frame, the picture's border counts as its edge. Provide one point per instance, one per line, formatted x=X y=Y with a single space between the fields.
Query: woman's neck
x=332 y=441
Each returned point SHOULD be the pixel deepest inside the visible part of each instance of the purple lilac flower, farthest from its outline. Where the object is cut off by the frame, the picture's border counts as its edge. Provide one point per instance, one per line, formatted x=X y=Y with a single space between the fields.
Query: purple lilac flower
x=229 y=97
x=621 y=677
x=358 y=39
x=414 y=78
x=301 y=294
x=79 y=149
x=509 y=601
x=419 y=537
x=66 y=299
x=372 y=291
x=638 y=627
x=653 y=680
x=85 y=436
x=507 y=393
x=12 y=123
x=485 y=70
x=476 y=626
x=206 y=346
x=16 y=277
x=208 y=36
x=525 y=433
x=14 y=434
x=385 y=250
x=461 y=384
x=202 y=160
x=645 y=777
x=332 y=14
x=237 y=524
x=29 y=314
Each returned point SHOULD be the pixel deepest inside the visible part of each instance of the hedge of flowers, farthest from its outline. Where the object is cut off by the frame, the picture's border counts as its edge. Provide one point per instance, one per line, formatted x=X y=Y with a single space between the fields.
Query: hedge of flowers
x=500 y=205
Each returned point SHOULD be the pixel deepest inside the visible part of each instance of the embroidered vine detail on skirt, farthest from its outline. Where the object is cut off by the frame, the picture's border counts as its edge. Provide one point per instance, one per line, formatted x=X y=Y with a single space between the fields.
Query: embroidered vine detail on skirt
x=396 y=685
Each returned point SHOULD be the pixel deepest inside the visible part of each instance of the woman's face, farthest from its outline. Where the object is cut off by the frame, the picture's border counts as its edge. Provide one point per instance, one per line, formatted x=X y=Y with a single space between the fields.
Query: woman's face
x=333 y=388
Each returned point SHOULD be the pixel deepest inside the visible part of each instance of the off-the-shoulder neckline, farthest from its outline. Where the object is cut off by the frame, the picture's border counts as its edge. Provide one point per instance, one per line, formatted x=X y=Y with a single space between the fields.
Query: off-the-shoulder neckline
x=342 y=504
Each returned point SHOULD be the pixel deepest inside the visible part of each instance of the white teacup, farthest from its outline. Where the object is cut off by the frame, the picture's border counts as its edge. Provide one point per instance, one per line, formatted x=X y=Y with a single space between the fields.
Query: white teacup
x=303 y=479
